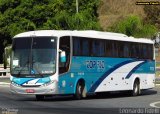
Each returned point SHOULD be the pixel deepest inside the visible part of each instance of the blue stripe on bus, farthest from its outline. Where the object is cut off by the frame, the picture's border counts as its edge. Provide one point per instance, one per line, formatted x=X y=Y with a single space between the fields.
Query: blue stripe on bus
x=134 y=69
x=97 y=83
x=22 y=81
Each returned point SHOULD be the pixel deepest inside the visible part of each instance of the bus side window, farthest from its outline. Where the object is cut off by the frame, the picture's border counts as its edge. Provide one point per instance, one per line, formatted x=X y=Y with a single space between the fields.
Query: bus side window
x=64 y=46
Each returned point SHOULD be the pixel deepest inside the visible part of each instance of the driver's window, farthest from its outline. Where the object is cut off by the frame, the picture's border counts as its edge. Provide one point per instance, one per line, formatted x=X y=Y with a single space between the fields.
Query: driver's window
x=64 y=46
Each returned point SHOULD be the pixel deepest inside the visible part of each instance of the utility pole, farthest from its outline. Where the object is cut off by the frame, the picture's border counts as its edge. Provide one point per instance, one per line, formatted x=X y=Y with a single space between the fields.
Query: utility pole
x=77 y=11
x=77 y=6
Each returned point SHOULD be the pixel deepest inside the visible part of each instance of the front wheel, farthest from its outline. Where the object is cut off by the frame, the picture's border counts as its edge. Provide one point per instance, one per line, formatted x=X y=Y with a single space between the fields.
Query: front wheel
x=80 y=91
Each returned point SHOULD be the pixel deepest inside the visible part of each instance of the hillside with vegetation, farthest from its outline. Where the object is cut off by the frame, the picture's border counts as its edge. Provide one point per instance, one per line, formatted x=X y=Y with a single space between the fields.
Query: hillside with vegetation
x=126 y=17
x=111 y=11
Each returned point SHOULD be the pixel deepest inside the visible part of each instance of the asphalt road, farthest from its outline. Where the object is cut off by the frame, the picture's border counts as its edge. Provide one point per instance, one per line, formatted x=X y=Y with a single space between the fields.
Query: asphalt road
x=114 y=103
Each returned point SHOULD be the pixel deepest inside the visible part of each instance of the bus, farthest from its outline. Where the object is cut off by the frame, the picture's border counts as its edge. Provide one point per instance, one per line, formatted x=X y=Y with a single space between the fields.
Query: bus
x=80 y=63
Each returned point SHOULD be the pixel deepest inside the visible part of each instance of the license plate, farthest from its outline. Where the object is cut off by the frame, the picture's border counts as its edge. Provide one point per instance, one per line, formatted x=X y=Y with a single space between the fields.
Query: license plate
x=30 y=90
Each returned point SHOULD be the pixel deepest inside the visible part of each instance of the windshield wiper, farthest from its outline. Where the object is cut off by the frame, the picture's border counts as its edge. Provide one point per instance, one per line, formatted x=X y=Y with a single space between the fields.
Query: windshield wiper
x=19 y=73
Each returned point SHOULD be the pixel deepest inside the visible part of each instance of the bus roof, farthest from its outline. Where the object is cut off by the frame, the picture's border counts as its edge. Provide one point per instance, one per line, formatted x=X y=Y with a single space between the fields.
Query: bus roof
x=85 y=33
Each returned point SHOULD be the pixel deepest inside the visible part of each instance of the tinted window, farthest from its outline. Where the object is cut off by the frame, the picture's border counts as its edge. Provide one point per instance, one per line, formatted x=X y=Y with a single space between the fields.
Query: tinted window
x=85 y=47
x=22 y=43
x=76 y=46
x=111 y=48
x=97 y=48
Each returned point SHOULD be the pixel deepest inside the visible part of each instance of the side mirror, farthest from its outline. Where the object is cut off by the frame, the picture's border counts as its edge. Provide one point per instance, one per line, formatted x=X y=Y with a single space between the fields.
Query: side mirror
x=63 y=56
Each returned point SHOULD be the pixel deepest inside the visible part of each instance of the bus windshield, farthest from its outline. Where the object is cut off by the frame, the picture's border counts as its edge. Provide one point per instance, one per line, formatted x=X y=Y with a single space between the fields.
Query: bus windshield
x=33 y=56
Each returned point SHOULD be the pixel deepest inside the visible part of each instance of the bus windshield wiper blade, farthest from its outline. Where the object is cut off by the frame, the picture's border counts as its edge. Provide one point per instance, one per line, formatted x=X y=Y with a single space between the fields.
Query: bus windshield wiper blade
x=19 y=73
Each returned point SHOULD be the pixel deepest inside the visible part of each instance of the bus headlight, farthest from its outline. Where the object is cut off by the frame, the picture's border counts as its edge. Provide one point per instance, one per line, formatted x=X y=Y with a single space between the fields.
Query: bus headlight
x=15 y=84
x=49 y=83
x=11 y=78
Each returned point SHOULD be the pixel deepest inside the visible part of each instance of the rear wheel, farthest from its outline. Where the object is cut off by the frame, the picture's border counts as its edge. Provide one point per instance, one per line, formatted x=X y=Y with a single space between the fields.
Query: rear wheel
x=40 y=97
x=136 y=89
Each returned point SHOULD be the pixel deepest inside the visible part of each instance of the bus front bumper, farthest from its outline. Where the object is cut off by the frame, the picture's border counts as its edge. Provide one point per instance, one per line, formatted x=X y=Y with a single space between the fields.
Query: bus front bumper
x=51 y=89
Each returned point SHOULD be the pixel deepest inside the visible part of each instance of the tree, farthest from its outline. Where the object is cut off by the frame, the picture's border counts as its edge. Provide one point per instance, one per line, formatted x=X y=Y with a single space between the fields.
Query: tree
x=134 y=26
x=24 y=15
x=18 y=16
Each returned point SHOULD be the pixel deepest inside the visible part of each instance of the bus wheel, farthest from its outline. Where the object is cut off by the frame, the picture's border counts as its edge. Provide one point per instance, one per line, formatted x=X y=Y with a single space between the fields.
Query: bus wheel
x=136 y=88
x=80 y=91
x=40 y=97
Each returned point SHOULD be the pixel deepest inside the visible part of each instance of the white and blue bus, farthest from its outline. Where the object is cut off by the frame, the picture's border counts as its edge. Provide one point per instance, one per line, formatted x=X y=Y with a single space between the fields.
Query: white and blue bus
x=57 y=62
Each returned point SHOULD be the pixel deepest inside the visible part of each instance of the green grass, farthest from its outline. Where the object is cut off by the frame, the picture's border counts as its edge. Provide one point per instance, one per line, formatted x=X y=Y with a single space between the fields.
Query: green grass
x=158 y=64
x=158 y=74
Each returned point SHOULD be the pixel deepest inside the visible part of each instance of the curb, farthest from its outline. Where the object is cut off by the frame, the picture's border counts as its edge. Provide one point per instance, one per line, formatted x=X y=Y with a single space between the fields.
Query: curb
x=7 y=76
x=157 y=84
x=4 y=83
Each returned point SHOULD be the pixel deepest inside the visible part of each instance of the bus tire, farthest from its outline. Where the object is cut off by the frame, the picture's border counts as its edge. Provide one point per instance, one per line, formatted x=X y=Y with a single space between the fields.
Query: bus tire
x=40 y=97
x=136 y=88
x=80 y=91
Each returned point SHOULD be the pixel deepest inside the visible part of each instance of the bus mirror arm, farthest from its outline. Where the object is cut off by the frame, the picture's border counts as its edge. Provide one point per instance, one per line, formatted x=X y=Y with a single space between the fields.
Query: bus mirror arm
x=62 y=56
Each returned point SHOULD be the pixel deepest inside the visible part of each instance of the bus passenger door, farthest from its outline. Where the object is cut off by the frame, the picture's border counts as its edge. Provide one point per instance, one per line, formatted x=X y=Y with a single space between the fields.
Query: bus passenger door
x=65 y=47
